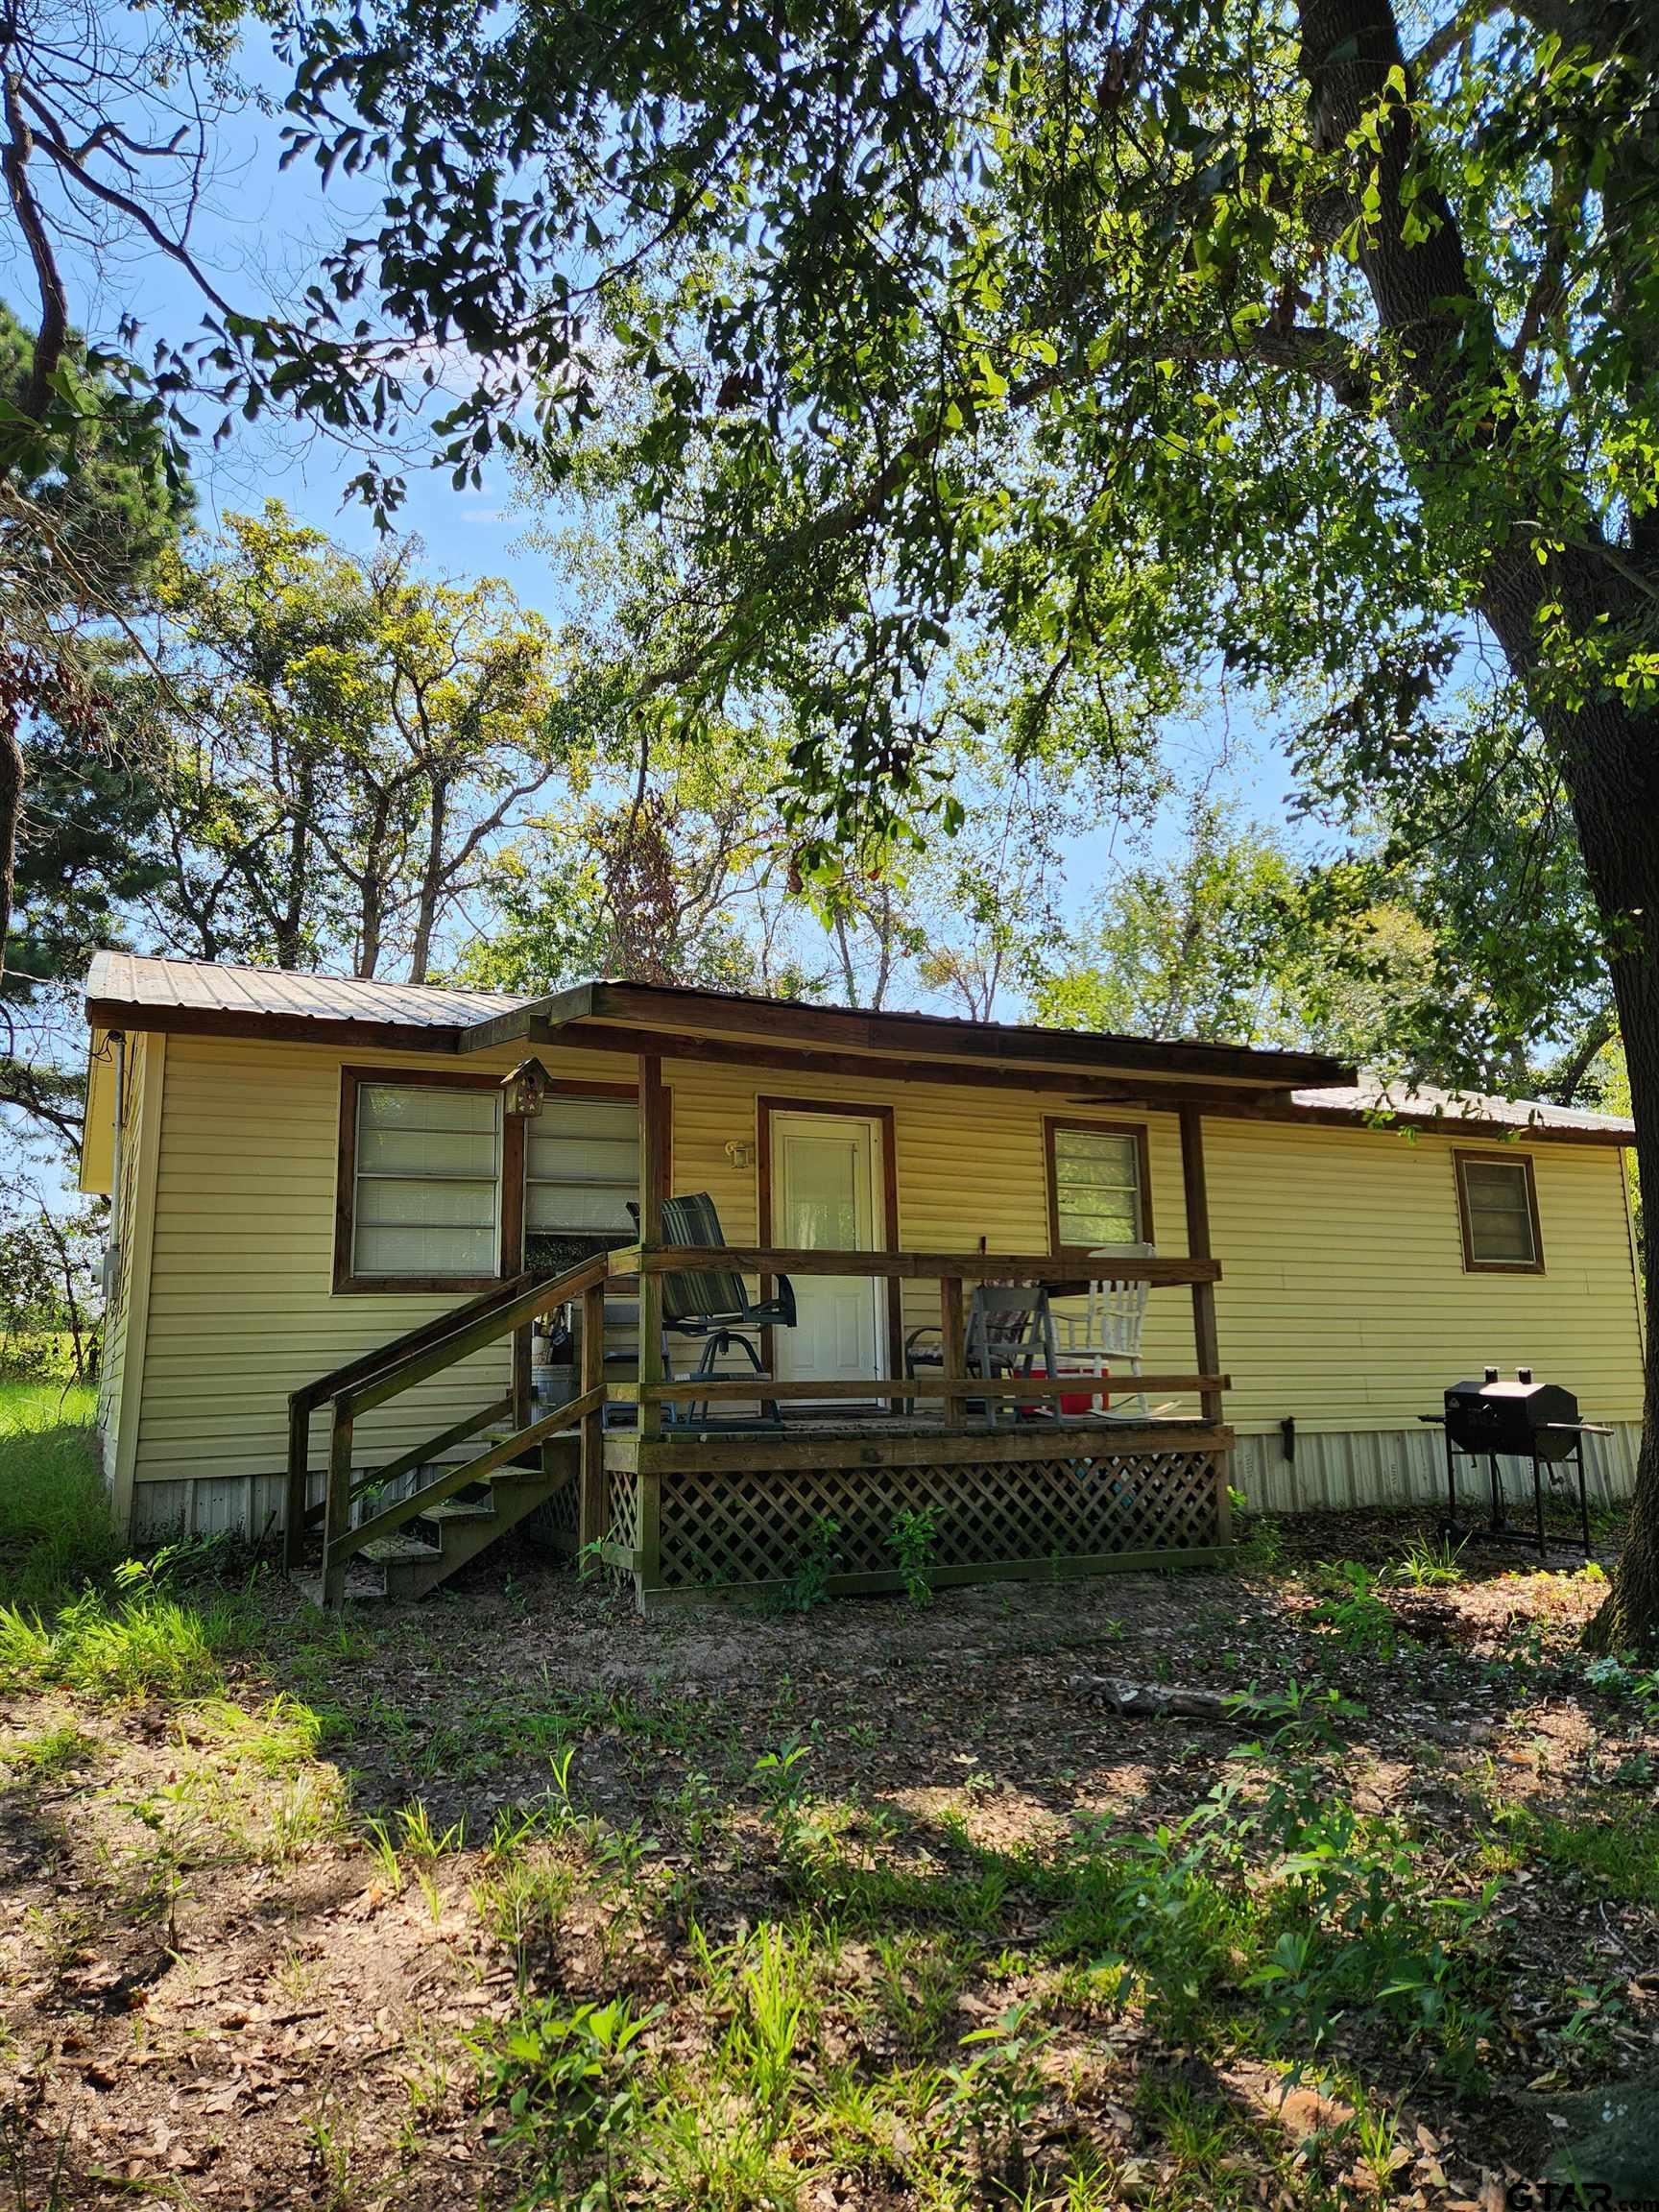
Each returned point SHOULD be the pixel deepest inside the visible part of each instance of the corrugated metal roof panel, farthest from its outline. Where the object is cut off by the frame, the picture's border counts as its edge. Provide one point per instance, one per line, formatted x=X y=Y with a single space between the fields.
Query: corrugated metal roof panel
x=202 y=986
x=1423 y=1101
x=135 y=979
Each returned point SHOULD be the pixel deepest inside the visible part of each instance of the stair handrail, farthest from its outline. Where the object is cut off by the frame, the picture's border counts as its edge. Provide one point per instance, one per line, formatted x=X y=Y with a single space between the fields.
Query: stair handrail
x=339 y=1551
x=310 y=1395
x=386 y=1373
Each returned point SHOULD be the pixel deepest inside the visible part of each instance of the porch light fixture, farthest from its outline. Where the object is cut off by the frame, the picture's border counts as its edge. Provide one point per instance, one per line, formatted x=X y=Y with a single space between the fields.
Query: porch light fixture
x=525 y=1087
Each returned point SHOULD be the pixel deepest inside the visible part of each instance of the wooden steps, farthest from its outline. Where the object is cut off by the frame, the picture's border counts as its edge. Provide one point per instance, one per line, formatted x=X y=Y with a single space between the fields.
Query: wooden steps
x=414 y=1559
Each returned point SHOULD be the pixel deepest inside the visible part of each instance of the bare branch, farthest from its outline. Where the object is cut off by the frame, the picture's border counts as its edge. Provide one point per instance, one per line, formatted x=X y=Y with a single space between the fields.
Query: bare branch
x=52 y=334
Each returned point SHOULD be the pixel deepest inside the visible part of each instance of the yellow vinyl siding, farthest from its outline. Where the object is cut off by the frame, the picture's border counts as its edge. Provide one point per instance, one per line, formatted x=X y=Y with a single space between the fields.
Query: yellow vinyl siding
x=1344 y=1301
x=115 y=1358
x=123 y=1403
x=243 y=1308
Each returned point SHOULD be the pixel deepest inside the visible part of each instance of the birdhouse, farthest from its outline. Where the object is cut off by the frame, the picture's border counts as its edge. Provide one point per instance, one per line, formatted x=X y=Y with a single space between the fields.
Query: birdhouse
x=526 y=1087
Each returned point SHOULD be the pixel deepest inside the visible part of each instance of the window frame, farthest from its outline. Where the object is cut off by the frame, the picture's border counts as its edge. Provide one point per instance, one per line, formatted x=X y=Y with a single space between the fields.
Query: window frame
x=576 y=1087
x=1052 y=1124
x=510 y=1191
x=1462 y=1159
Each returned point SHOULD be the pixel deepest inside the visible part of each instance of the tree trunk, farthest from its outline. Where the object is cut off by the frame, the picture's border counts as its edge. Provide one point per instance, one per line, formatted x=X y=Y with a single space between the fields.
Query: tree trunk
x=373 y=887
x=290 y=926
x=431 y=882
x=1598 y=1033
x=11 y=817
x=1610 y=763
x=1446 y=425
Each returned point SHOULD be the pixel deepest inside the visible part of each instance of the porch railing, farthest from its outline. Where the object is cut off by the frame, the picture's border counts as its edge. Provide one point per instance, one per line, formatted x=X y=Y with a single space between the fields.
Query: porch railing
x=380 y=1377
x=953 y=1270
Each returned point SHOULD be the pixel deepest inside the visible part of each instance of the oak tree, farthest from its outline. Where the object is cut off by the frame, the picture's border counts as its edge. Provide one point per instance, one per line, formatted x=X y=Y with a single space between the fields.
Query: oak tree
x=1146 y=336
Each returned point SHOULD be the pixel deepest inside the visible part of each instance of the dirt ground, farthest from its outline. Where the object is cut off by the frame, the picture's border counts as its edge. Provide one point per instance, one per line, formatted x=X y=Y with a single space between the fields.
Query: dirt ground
x=253 y=1950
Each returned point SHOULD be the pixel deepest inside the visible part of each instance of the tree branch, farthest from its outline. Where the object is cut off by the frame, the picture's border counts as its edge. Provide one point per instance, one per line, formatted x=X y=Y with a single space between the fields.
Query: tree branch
x=52 y=334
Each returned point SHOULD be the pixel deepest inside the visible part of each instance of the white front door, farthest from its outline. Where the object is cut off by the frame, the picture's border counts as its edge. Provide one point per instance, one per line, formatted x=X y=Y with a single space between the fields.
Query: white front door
x=827 y=1193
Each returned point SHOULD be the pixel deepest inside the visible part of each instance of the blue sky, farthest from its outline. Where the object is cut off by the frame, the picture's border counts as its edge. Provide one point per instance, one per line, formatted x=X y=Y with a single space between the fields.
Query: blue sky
x=259 y=231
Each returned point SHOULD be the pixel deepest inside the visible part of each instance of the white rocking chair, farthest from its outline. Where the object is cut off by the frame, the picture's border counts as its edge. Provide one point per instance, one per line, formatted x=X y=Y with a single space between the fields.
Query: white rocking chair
x=1105 y=1337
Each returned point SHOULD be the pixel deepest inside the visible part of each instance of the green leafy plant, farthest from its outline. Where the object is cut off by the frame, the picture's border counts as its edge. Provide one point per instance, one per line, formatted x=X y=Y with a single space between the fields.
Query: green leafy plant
x=913 y=1540
x=809 y=1583
x=996 y=2093
x=570 y=2084
x=1354 y=1613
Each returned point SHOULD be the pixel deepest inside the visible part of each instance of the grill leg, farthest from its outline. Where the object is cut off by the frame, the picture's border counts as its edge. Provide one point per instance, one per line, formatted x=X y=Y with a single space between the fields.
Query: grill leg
x=1583 y=1499
x=1497 y=1521
x=1538 y=1506
x=1450 y=1491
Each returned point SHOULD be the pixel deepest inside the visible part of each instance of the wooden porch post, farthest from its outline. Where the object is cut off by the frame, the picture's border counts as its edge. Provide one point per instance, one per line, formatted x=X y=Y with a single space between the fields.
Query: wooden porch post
x=952 y=1356
x=651 y=1152
x=1198 y=1198
x=337 y=1517
x=592 y=1510
x=299 y=1484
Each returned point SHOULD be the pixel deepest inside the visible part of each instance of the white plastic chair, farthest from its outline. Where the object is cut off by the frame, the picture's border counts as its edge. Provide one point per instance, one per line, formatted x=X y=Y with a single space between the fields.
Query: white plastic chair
x=1105 y=1337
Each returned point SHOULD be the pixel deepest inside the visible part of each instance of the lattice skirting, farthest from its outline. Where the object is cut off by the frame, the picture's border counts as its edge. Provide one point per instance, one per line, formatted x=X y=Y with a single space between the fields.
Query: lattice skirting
x=622 y=1517
x=760 y=1526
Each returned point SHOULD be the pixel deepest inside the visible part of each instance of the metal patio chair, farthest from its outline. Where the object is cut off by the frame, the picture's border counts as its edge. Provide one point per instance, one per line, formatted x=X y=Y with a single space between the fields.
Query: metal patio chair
x=714 y=1305
x=1010 y=1331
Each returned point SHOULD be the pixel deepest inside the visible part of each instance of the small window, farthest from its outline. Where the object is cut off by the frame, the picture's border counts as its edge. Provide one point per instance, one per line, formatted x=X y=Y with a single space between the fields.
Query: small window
x=1498 y=1206
x=580 y=1168
x=425 y=1185
x=1097 y=1186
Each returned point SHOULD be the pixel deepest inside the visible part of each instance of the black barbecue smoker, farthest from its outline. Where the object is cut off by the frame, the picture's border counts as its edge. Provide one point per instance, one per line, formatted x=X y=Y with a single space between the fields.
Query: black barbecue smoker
x=1520 y=1420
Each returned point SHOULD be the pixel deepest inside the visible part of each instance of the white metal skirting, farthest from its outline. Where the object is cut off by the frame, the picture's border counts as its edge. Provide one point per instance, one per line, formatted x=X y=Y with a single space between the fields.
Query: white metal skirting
x=247 y=1506
x=1335 y=1471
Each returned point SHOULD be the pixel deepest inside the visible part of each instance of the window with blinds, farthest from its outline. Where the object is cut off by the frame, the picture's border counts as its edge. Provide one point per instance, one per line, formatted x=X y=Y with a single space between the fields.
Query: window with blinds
x=581 y=1167
x=1096 y=1187
x=427 y=1182
x=1498 y=1205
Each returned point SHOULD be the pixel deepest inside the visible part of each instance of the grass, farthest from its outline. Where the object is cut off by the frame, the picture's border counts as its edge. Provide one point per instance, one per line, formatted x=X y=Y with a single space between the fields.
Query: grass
x=150 y=1644
x=55 y=1532
x=748 y=1950
x=50 y=1753
x=1617 y=1853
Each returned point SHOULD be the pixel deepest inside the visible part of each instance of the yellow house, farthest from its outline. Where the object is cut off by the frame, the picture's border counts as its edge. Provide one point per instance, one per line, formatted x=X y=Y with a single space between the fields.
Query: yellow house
x=335 y=1219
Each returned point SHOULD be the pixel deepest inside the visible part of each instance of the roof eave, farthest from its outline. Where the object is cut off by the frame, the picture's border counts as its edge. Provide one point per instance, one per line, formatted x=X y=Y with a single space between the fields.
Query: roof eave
x=231 y=1022
x=1471 y=1128
x=655 y=1017
x=537 y=1018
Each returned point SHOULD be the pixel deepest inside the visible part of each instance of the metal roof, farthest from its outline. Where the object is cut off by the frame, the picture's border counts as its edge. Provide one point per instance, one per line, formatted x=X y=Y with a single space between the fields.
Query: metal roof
x=905 y=1031
x=221 y=987
x=1424 y=1102
x=126 y=985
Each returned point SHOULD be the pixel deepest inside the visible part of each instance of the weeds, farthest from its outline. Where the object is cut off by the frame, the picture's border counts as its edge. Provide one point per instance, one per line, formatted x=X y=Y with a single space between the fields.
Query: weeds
x=570 y=2082
x=1426 y=1566
x=859 y=1995
x=918 y=1981
x=1617 y=1854
x=522 y=1898
x=913 y=1541
x=1356 y=1616
x=995 y=2094
x=147 y=1643
x=51 y=1754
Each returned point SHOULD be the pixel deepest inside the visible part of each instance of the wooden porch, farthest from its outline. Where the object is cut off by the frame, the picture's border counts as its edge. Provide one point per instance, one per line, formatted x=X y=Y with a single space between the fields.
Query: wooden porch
x=684 y=1516
x=976 y=1477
